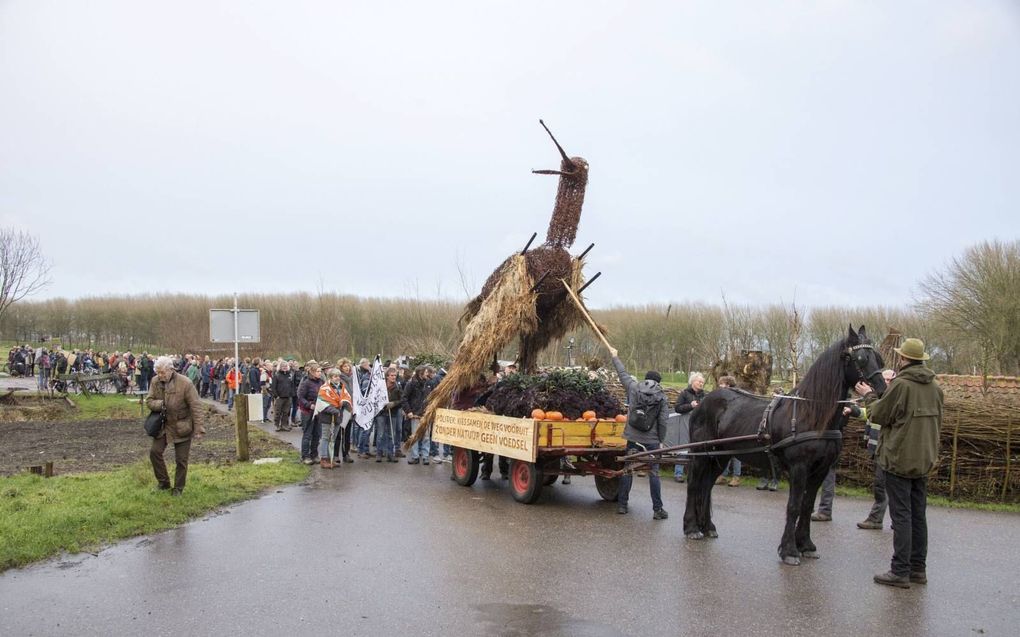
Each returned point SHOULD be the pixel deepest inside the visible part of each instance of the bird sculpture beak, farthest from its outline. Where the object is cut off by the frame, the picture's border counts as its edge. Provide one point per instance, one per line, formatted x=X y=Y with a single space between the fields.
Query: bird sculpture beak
x=563 y=153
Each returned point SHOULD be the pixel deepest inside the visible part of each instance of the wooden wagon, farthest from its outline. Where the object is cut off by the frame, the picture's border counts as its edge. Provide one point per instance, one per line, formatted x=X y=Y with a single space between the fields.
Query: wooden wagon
x=536 y=449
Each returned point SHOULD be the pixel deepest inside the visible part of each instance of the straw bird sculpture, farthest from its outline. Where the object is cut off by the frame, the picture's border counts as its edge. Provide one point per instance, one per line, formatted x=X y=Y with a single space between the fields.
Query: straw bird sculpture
x=524 y=297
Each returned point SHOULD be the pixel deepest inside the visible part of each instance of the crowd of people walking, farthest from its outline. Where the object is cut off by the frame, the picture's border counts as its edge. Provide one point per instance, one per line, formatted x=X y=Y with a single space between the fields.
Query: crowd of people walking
x=317 y=397
x=49 y=364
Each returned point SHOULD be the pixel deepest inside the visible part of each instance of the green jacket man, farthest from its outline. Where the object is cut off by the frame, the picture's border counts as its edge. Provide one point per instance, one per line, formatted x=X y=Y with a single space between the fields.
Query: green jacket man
x=910 y=415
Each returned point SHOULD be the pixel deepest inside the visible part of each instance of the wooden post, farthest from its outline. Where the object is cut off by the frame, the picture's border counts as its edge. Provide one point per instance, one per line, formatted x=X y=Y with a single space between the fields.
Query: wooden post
x=584 y=313
x=48 y=471
x=952 y=467
x=1009 y=453
x=241 y=421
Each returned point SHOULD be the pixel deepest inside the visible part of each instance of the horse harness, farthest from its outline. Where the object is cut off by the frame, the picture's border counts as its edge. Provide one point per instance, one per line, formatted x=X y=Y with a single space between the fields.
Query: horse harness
x=764 y=435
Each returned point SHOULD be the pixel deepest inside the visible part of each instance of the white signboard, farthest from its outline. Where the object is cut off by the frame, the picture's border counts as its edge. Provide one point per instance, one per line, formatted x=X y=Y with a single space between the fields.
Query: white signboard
x=221 y=326
x=488 y=433
x=255 y=407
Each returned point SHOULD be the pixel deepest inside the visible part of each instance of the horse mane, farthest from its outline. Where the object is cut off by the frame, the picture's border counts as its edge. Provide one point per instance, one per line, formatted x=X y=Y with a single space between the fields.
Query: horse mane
x=822 y=386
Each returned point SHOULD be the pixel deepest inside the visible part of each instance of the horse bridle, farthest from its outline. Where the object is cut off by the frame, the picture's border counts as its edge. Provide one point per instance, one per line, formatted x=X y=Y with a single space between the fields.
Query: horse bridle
x=860 y=372
x=763 y=426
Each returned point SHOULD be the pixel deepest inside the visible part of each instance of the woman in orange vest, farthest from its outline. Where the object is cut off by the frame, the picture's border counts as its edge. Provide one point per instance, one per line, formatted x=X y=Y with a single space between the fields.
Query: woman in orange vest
x=333 y=407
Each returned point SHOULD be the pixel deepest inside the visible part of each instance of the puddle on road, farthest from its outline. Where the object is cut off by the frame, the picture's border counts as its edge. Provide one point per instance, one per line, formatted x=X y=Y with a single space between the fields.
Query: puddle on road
x=521 y=620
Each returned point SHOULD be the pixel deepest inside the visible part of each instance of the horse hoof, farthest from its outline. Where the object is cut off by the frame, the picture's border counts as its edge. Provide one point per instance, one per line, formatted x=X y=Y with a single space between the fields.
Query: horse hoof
x=811 y=555
x=712 y=534
x=789 y=560
x=697 y=535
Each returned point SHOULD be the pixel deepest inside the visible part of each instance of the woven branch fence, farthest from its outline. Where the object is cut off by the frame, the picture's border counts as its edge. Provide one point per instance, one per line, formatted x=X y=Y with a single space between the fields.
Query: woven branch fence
x=979 y=455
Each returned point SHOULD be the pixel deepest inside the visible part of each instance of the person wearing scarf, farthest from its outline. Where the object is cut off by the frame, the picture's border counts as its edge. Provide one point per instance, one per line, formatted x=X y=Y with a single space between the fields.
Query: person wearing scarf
x=333 y=407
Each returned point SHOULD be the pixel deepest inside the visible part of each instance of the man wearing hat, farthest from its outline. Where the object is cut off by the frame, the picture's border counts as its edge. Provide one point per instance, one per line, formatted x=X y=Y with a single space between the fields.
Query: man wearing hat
x=910 y=414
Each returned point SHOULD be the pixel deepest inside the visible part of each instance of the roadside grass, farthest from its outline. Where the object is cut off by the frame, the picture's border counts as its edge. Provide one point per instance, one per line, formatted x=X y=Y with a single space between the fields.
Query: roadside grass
x=41 y=517
x=106 y=407
x=938 y=501
x=677 y=380
x=865 y=493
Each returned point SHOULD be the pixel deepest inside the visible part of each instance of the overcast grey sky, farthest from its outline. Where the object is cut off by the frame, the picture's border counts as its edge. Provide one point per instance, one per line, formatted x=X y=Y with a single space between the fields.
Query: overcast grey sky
x=753 y=148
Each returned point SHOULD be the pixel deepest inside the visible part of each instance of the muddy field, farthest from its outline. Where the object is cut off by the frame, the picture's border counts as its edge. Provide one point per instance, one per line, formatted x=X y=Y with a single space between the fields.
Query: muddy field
x=94 y=445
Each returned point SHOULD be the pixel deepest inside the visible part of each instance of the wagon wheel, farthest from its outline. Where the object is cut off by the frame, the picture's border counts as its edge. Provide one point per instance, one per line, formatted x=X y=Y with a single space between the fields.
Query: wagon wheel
x=525 y=481
x=465 y=466
x=608 y=488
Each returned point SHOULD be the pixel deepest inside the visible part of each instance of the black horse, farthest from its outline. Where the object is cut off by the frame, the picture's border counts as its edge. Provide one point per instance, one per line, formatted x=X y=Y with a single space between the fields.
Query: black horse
x=802 y=433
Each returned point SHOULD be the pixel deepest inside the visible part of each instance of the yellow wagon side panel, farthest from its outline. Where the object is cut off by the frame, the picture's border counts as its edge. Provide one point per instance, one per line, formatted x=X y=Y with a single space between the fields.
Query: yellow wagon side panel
x=570 y=433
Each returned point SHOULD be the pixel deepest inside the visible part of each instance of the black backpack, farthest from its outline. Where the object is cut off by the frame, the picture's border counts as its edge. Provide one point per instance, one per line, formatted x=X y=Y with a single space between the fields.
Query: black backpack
x=644 y=412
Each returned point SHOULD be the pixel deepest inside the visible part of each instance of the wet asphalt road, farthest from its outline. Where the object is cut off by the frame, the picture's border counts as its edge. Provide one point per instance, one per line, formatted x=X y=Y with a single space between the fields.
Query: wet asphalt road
x=381 y=549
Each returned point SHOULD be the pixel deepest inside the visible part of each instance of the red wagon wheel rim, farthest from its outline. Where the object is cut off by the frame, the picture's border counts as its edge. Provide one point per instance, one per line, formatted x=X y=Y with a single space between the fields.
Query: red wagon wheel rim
x=521 y=477
x=460 y=462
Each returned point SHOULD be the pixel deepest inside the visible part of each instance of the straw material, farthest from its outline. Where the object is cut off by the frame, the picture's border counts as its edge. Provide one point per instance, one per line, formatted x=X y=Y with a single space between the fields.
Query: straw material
x=557 y=316
x=509 y=310
x=751 y=369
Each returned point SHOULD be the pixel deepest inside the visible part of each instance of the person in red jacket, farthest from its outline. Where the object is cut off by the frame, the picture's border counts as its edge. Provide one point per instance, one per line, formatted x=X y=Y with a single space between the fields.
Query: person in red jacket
x=232 y=379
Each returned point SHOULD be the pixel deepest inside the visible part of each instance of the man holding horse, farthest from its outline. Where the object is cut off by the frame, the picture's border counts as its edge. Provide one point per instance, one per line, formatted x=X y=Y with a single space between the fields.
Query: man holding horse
x=910 y=414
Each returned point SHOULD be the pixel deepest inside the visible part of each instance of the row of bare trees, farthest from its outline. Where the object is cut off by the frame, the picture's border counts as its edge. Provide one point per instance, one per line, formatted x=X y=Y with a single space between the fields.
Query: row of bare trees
x=666 y=337
x=302 y=325
x=969 y=317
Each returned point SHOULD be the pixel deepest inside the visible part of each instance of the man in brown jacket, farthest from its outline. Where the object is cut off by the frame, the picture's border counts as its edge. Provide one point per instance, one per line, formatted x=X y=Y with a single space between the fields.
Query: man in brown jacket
x=177 y=397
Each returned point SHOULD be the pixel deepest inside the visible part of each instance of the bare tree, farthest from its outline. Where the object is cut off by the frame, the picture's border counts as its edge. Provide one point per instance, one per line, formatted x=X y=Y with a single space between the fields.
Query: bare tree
x=979 y=294
x=23 y=268
x=795 y=325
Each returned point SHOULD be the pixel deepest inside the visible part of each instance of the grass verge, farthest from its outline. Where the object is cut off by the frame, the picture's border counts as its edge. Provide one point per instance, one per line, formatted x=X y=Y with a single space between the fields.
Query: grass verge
x=676 y=380
x=42 y=517
x=863 y=492
x=938 y=501
x=106 y=407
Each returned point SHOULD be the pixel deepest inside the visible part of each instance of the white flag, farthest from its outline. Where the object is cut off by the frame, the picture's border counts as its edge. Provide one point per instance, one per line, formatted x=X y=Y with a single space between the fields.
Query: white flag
x=367 y=405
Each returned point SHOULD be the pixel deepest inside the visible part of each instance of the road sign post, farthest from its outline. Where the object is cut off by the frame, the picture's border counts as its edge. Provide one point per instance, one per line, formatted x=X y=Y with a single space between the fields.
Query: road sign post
x=236 y=325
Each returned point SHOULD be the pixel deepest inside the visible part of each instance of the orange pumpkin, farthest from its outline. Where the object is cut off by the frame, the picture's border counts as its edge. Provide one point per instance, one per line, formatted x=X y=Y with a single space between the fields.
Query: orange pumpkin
x=538 y=414
x=588 y=415
x=621 y=418
x=553 y=415
x=580 y=420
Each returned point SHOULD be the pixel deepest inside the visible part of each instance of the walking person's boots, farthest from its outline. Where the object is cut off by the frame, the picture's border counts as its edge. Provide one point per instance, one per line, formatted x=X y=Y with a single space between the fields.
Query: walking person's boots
x=891 y=579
